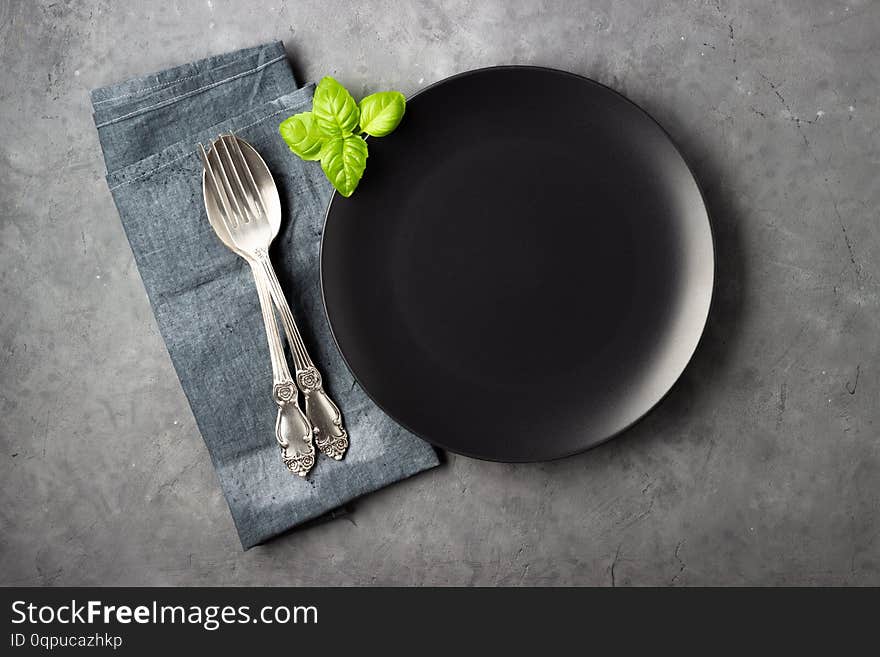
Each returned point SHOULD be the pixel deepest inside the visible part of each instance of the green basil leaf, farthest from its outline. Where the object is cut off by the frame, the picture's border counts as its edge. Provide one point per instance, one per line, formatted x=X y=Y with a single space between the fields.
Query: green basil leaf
x=381 y=112
x=334 y=108
x=343 y=160
x=302 y=134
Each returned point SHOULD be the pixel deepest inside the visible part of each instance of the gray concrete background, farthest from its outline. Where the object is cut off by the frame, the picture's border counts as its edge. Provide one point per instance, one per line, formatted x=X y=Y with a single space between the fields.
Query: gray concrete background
x=761 y=467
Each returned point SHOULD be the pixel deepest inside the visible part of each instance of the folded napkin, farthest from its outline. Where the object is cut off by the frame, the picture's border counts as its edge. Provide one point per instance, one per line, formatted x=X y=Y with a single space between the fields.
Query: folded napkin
x=203 y=295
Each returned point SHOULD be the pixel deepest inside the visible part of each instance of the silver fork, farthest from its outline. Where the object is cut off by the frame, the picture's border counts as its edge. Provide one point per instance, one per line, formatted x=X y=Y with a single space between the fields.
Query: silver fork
x=249 y=239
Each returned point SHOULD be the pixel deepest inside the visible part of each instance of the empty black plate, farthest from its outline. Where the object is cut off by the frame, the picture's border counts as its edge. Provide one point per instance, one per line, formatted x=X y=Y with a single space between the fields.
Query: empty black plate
x=525 y=269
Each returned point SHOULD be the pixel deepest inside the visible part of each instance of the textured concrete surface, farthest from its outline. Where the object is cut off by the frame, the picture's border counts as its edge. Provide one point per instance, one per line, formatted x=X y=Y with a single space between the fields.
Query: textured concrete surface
x=761 y=467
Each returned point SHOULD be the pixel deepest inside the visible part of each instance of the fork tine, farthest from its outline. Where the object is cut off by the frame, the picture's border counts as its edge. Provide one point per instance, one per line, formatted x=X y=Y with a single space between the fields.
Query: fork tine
x=204 y=157
x=220 y=199
x=227 y=185
x=249 y=176
x=245 y=194
x=237 y=189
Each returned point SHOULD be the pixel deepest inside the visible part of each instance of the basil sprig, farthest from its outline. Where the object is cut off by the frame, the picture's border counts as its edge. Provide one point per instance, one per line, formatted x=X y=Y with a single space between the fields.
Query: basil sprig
x=333 y=131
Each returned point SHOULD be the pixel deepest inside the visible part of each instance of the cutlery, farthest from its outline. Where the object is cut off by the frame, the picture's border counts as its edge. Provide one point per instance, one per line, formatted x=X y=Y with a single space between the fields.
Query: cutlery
x=259 y=196
x=253 y=191
x=292 y=428
x=247 y=238
x=330 y=436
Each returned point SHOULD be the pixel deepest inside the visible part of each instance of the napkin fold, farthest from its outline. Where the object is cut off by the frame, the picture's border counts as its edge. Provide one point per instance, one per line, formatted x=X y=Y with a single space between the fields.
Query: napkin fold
x=203 y=295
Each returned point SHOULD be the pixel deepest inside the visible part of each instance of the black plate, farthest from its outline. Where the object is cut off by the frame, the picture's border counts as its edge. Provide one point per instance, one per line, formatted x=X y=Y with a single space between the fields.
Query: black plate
x=526 y=268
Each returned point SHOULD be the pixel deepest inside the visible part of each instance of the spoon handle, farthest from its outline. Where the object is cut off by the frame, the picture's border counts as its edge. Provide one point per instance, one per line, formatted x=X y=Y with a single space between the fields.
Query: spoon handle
x=293 y=431
x=325 y=416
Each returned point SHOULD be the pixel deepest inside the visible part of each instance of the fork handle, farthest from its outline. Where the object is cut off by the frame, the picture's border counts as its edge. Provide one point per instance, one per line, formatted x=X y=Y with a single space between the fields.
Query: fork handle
x=294 y=435
x=325 y=416
x=280 y=372
x=293 y=431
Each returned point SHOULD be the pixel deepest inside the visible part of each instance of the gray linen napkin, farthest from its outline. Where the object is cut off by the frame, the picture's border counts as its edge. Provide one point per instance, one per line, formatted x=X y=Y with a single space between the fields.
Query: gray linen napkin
x=203 y=295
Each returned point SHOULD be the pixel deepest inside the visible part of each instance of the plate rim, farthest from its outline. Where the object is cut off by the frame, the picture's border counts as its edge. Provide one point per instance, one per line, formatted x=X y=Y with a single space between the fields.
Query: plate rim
x=678 y=377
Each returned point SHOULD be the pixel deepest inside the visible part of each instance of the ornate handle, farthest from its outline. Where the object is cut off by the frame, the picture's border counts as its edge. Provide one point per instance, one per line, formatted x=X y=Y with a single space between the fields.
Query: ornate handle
x=293 y=433
x=330 y=436
x=292 y=430
x=325 y=416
